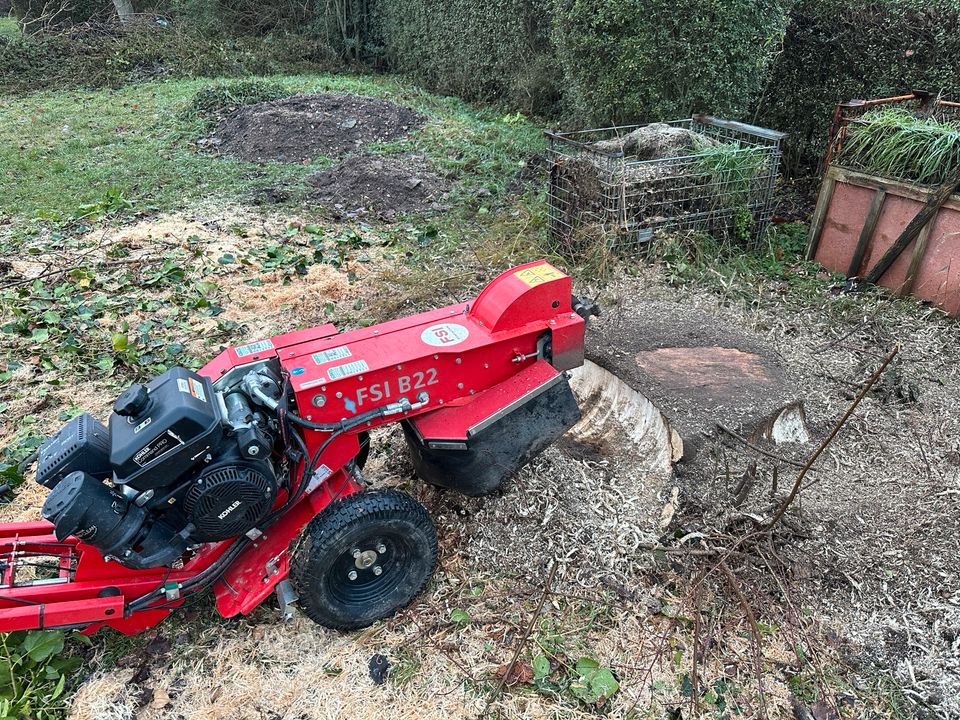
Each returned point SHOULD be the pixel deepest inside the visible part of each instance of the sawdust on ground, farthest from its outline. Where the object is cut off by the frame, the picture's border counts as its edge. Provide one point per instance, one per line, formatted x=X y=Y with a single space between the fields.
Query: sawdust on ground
x=877 y=560
x=875 y=555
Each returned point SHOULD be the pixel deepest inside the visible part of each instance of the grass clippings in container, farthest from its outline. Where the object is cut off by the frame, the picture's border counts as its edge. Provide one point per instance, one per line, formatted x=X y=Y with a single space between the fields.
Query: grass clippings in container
x=897 y=143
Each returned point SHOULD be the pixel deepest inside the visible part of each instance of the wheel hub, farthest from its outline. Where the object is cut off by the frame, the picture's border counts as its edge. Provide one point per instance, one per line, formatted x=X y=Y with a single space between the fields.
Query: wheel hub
x=365 y=559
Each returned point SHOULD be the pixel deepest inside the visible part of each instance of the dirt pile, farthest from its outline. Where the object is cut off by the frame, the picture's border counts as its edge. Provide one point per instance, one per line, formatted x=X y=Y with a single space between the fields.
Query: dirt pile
x=384 y=185
x=303 y=127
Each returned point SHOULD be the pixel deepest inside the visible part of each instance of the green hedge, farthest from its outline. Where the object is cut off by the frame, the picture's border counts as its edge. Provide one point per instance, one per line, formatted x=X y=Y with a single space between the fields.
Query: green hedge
x=838 y=50
x=635 y=60
x=476 y=49
x=780 y=63
x=148 y=53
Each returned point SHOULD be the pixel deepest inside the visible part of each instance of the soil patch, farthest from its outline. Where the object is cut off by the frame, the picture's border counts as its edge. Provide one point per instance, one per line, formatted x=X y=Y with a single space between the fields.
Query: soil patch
x=303 y=127
x=383 y=185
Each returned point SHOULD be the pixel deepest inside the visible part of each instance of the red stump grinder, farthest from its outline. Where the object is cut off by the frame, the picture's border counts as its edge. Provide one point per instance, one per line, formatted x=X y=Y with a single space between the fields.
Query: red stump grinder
x=247 y=475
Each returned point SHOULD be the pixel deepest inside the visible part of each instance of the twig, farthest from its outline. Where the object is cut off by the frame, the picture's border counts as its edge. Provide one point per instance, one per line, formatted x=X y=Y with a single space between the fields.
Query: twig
x=51 y=272
x=837 y=341
x=754 y=633
x=833 y=433
x=694 y=670
x=813 y=653
x=774 y=456
x=523 y=640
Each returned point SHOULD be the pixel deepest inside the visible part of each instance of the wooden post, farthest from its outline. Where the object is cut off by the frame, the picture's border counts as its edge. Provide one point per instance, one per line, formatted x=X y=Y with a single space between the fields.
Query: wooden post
x=820 y=213
x=918 y=251
x=867 y=232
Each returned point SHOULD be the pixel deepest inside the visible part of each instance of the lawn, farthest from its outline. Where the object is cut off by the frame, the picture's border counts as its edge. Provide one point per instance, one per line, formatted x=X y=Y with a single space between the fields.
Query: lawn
x=65 y=151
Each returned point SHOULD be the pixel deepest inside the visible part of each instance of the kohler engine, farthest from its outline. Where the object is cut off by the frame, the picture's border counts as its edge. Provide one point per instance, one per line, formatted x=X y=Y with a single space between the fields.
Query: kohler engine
x=181 y=464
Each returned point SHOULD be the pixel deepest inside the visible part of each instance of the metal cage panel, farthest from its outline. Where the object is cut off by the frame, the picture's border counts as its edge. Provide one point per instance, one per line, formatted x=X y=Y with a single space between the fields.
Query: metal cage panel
x=593 y=191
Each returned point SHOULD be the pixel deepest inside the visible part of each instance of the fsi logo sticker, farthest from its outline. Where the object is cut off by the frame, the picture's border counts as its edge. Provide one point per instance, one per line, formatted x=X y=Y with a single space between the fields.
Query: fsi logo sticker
x=444 y=335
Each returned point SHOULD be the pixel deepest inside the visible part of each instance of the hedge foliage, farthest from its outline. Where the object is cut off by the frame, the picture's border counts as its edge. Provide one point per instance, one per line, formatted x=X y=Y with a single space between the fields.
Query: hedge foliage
x=477 y=49
x=838 y=50
x=632 y=60
x=49 y=14
x=148 y=53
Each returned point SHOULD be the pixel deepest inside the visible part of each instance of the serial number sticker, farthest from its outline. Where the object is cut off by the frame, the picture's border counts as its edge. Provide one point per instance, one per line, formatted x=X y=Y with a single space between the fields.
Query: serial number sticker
x=347 y=369
x=539 y=274
x=321 y=474
x=253 y=348
x=312 y=383
x=337 y=353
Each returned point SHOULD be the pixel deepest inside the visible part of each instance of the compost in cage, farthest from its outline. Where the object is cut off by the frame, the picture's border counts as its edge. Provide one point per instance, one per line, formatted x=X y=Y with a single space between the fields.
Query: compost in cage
x=626 y=181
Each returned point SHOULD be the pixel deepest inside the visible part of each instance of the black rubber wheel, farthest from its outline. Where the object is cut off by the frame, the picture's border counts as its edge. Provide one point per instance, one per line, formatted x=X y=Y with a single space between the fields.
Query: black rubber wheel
x=363 y=558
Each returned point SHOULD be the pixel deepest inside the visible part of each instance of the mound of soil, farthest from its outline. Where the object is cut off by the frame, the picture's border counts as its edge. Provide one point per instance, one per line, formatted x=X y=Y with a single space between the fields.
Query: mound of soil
x=383 y=185
x=303 y=127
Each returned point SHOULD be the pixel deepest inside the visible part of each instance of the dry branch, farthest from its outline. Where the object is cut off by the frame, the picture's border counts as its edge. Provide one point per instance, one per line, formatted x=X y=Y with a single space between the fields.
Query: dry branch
x=754 y=633
x=523 y=641
x=833 y=433
x=755 y=448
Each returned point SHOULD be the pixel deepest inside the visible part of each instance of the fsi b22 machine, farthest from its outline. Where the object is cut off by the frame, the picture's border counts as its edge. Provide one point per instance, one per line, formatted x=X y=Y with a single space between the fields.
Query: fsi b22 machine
x=246 y=476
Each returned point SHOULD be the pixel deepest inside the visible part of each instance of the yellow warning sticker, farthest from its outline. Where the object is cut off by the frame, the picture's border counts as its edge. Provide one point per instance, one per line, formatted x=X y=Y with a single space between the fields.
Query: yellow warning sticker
x=539 y=274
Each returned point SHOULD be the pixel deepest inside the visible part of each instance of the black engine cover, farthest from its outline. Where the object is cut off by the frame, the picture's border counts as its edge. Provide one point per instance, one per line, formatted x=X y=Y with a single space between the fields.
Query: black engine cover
x=164 y=431
x=229 y=498
x=82 y=444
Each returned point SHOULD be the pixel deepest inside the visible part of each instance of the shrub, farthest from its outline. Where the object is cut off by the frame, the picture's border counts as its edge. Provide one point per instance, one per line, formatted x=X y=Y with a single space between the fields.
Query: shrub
x=477 y=50
x=636 y=60
x=38 y=15
x=113 y=58
x=838 y=50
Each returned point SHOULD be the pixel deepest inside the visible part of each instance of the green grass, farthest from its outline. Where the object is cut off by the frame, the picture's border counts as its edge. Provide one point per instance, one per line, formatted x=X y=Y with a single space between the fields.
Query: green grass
x=65 y=150
x=899 y=144
x=732 y=272
x=731 y=168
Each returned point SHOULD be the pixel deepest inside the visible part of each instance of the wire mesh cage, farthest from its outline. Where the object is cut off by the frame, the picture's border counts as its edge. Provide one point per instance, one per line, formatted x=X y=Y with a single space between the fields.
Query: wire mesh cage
x=624 y=182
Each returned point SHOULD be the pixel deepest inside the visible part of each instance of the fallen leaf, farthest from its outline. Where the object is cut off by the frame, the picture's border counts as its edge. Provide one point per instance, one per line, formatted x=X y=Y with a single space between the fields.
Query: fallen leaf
x=160 y=699
x=521 y=672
